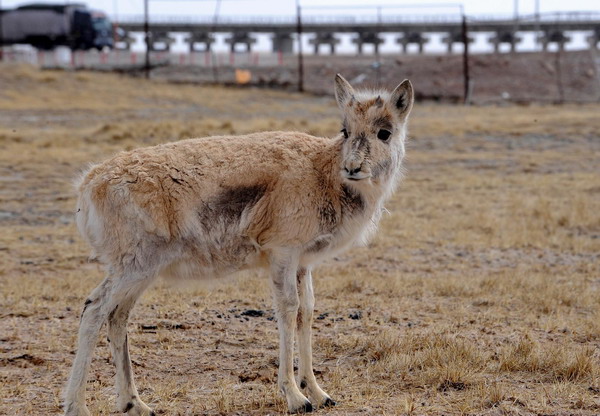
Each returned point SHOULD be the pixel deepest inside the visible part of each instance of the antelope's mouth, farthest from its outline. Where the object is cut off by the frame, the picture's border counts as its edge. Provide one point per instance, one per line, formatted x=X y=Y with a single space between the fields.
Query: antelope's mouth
x=356 y=177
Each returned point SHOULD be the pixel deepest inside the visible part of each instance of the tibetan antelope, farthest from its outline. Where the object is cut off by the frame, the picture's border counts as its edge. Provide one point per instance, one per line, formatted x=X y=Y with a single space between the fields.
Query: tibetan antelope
x=208 y=207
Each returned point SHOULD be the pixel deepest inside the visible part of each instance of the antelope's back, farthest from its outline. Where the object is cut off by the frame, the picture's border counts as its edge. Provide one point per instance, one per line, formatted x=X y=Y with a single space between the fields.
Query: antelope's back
x=213 y=195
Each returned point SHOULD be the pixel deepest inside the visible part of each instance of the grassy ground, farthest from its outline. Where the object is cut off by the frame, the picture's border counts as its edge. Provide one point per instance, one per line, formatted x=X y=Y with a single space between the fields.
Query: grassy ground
x=480 y=295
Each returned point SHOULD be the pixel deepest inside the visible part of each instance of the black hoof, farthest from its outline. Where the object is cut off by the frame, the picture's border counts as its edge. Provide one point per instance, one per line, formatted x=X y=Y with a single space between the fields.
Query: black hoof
x=307 y=408
x=329 y=402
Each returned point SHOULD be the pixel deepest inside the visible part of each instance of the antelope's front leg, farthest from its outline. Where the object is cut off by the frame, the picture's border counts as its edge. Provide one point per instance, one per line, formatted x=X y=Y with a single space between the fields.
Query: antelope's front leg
x=305 y=317
x=285 y=292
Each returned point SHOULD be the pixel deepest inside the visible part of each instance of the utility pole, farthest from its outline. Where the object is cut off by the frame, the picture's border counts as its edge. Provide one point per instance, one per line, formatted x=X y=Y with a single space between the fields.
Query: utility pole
x=1 y=35
x=300 y=57
x=515 y=22
x=115 y=23
x=378 y=62
x=537 y=23
x=213 y=55
x=467 y=78
x=147 y=39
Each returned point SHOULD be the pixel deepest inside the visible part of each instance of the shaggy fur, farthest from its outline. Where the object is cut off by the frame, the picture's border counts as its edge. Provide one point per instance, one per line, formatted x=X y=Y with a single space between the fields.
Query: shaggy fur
x=208 y=207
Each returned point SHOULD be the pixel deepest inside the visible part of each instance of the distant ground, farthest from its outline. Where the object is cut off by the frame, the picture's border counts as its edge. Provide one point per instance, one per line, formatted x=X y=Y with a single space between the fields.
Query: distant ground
x=520 y=77
x=480 y=294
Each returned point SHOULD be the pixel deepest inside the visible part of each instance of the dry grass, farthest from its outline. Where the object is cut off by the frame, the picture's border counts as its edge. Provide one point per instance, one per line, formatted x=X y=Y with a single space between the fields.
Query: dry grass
x=480 y=295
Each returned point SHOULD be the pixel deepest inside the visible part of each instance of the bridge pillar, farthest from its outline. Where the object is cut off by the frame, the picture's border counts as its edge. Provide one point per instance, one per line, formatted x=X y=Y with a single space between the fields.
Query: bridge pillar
x=240 y=37
x=200 y=38
x=157 y=38
x=123 y=40
x=509 y=37
x=594 y=39
x=454 y=37
x=554 y=36
x=282 y=42
x=412 y=37
x=367 y=38
x=324 y=39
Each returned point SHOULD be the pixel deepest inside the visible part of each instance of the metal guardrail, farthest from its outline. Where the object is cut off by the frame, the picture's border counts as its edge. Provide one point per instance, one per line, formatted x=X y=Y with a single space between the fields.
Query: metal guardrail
x=571 y=17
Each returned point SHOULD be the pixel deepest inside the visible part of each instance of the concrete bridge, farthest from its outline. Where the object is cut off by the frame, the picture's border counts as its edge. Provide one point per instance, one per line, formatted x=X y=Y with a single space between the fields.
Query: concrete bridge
x=550 y=28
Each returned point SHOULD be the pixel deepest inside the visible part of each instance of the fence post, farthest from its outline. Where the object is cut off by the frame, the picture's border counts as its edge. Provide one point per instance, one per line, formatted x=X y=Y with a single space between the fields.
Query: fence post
x=467 y=78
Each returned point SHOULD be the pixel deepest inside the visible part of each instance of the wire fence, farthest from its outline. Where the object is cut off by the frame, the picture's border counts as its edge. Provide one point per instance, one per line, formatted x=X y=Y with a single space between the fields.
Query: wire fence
x=548 y=77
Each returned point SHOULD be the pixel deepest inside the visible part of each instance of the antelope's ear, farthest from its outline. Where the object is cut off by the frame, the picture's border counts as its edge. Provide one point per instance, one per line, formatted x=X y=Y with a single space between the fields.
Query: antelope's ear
x=343 y=91
x=402 y=98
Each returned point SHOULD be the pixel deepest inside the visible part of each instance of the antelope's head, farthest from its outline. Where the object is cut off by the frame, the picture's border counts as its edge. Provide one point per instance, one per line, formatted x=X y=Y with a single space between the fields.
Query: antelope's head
x=373 y=129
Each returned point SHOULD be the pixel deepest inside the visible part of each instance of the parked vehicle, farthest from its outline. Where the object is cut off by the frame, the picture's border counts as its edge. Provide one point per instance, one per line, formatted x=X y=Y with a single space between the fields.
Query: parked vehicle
x=46 y=26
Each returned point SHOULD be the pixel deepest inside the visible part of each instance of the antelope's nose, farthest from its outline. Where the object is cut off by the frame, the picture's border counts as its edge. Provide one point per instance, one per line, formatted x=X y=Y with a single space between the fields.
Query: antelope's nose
x=352 y=166
x=352 y=170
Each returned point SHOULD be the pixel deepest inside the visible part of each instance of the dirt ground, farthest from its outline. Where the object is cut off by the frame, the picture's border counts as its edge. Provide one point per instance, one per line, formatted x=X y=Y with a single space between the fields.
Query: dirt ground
x=480 y=295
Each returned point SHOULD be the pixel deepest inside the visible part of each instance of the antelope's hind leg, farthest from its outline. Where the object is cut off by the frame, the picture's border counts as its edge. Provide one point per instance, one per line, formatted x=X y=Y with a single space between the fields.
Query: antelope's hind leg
x=305 y=316
x=95 y=312
x=128 y=400
x=111 y=300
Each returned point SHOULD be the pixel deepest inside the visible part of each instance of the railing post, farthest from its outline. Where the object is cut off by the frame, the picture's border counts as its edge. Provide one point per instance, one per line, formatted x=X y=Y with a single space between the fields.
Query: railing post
x=147 y=39
x=300 y=57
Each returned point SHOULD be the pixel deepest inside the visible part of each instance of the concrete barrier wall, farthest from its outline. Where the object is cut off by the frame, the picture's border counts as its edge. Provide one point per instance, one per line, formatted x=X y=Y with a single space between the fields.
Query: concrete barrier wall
x=116 y=59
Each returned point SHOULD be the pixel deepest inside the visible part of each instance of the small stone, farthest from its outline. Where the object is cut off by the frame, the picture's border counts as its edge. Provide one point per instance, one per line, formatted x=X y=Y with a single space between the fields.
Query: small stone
x=253 y=313
x=355 y=315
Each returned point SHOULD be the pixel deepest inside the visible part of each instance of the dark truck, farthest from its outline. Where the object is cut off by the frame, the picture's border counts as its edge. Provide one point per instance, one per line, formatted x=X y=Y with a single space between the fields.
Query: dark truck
x=46 y=26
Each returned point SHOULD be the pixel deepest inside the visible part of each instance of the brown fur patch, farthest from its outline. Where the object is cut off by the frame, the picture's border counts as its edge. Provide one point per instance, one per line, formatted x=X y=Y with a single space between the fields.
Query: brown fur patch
x=317 y=246
x=362 y=108
x=231 y=203
x=328 y=217
x=351 y=200
x=384 y=121
x=363 y=144
x=300 y=274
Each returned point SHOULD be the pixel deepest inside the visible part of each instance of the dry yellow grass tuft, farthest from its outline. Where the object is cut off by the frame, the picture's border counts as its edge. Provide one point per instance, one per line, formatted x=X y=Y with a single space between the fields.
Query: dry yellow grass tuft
x=480 y=295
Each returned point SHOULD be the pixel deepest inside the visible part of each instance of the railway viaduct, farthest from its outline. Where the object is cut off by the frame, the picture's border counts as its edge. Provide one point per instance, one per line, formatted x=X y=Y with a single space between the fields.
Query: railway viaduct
x=551 y=28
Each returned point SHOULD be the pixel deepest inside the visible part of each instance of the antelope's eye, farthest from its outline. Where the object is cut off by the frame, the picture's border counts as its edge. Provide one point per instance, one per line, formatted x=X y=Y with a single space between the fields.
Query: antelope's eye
x=345 y=132
x=384 y=134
